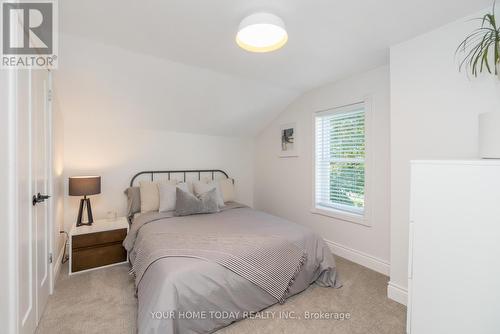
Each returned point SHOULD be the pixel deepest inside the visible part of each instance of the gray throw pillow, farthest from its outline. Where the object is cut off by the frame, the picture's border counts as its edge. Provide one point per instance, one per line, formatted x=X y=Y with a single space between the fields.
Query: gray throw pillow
x=189 y=204
x=133 y=200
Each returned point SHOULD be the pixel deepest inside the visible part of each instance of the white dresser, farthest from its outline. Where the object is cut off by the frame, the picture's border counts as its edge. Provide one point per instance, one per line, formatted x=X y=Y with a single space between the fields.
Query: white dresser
x=454 y=258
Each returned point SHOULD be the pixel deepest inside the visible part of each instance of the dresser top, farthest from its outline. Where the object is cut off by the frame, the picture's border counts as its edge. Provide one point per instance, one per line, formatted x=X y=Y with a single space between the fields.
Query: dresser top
x=478 y=162
x=101 y=226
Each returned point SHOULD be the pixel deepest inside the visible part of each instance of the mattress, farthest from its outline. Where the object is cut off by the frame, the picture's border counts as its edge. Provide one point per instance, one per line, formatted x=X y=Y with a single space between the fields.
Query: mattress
x=193 y=295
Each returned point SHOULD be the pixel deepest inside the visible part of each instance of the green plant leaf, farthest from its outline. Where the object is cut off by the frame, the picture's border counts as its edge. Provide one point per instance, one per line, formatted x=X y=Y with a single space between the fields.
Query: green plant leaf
x=477 y=46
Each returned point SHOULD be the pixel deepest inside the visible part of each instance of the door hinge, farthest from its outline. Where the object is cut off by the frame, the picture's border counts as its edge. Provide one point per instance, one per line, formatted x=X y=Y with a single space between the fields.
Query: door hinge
x=49 y=95
x=50 y=257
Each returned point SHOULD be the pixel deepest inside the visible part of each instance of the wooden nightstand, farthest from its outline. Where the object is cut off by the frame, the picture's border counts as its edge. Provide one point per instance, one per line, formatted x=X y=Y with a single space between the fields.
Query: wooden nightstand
x=97 y=246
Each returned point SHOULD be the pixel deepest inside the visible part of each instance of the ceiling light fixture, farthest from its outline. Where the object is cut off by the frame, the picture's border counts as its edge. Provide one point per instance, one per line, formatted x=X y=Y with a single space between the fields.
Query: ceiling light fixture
x=261 y=32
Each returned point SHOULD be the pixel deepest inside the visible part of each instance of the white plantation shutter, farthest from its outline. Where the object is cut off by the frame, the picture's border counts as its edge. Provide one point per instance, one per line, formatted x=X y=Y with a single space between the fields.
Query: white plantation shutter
x=340 y=159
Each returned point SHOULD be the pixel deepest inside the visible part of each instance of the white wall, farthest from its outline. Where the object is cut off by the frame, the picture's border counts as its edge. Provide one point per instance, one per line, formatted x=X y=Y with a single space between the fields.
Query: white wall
x=434 y=111
x=116 y=154
x=122 y=110
x=284 y=185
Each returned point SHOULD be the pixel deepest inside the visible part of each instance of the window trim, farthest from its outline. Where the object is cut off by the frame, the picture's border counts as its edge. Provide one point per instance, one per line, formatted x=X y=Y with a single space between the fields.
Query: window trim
x=361 y=219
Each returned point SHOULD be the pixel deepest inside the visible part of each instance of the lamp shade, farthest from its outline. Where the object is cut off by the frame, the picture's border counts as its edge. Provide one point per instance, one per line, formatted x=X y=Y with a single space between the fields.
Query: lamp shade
x=489 y=135
x=84 y=185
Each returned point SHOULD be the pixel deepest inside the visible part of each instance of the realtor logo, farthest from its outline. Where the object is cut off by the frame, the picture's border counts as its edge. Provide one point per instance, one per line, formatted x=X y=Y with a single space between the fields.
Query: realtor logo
x=29 y=34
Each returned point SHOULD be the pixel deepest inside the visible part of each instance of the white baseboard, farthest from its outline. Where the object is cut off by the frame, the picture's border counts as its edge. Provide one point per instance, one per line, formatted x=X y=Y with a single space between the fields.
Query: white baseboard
x=397 y=293
x=360 y=258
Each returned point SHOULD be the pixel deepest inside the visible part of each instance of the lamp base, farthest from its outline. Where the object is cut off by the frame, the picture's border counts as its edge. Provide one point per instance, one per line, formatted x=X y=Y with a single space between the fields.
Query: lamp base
x=85 y=202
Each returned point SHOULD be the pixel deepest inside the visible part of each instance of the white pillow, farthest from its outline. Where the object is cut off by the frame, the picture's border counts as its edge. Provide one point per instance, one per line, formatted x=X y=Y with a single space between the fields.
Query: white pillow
x=226 y=187
x=150 y=198
x=150 y=195
x=167 y=197
x=186 y=186
x=168 y=194
x=202 y=187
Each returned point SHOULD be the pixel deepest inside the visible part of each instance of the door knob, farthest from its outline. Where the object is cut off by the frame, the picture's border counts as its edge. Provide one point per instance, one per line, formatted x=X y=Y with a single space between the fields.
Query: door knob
x=38 y=198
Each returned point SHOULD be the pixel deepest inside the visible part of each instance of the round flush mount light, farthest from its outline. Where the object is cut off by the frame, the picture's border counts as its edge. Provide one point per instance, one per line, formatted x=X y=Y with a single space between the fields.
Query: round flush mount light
x=261 y=32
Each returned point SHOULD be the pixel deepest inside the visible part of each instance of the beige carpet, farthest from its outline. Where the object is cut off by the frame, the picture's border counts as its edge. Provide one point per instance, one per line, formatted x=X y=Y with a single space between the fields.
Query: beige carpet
x=103 y=301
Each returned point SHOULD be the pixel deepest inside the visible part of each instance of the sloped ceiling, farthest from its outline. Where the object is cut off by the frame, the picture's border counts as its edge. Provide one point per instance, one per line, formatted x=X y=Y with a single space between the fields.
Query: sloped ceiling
x=109 y=86
x=174 y=65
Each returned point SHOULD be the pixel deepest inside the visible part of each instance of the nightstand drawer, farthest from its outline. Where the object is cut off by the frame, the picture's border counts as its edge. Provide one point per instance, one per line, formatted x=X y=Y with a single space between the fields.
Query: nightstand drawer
x=99 y=238
x=97 y=256
x=98 y=245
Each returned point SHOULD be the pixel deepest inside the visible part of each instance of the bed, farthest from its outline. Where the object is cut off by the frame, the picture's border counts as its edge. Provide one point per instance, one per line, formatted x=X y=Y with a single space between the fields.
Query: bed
x=199 y=273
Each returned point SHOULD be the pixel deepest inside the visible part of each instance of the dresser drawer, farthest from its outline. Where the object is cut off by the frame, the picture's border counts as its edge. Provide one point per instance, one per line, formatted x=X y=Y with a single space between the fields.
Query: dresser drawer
x=98 y=238
x=97 y=256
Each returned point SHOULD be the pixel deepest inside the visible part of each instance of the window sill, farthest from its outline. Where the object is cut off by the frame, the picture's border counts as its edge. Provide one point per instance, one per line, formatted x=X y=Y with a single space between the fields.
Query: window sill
x=341 y=215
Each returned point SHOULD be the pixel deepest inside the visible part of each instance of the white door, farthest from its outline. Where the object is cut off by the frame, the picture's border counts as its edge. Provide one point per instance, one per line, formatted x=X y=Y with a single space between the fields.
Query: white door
x=33 y=116
x=26 y=242
x=41 y=178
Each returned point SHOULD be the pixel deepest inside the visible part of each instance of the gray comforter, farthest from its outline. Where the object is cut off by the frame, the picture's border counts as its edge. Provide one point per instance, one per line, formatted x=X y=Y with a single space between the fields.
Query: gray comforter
x=179 y=294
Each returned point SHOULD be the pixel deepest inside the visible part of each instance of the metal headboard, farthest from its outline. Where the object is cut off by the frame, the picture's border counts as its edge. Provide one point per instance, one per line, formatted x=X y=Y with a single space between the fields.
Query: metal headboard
x=152 y=173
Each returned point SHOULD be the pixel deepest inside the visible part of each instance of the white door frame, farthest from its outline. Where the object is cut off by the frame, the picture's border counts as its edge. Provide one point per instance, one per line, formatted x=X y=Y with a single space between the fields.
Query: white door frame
x=8 y=202
x=50 y=180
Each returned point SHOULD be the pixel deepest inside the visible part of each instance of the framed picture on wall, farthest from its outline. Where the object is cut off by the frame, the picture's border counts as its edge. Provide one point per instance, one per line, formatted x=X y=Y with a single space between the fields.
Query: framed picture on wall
x=288 y=140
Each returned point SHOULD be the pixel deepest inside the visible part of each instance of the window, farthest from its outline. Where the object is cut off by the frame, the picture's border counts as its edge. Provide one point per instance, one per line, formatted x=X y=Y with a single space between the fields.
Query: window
x=340 y=159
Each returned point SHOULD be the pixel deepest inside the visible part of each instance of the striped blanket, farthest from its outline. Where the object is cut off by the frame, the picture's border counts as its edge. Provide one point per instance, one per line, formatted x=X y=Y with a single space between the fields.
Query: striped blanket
x=270 y=262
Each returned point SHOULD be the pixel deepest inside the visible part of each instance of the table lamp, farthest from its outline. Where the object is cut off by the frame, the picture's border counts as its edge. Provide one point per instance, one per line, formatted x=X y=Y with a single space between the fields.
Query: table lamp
x=84 y=186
